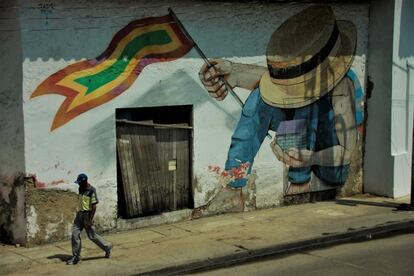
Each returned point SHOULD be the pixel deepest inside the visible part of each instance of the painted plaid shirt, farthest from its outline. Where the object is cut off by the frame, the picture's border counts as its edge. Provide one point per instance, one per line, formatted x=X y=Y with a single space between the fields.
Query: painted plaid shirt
x=87 y=197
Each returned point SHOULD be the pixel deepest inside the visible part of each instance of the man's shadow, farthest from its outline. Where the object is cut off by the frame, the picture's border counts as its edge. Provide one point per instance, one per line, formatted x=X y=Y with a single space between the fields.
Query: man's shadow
x=66 y=257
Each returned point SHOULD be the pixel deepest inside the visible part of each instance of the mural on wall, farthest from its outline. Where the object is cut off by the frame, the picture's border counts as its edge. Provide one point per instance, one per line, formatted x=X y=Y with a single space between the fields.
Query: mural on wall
x=307 y=94
x=311 y=72
x=91 y=83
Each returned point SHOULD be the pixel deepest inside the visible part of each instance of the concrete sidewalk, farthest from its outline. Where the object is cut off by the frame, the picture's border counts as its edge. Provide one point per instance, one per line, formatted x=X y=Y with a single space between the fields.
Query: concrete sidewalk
x=181 y=247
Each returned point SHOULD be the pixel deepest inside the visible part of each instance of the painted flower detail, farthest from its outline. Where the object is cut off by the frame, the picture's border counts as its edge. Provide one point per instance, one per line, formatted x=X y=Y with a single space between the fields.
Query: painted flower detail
x=240 y=172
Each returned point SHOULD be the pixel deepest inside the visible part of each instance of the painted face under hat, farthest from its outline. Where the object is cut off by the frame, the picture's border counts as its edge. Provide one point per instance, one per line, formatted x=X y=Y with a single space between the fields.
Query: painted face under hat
x=307 y=56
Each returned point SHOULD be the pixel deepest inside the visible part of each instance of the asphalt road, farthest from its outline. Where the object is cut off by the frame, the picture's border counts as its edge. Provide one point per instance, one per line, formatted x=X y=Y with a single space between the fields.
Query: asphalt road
x=388 y=256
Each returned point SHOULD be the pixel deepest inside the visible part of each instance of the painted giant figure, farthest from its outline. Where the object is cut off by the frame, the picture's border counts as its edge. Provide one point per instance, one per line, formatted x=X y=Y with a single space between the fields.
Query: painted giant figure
x=305 y=95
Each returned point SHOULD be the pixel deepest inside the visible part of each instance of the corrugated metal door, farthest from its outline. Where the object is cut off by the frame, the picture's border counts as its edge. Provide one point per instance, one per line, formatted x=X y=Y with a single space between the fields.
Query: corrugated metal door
x=155 y=166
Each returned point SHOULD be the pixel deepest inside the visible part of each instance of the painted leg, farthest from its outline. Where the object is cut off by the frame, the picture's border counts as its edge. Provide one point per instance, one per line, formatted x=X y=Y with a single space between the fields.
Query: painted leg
x=299 y=178
x=335 y=176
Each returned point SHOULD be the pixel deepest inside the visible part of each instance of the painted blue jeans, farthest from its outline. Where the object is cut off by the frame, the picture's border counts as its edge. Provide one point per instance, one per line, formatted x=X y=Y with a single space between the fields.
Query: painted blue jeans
x=258 y=117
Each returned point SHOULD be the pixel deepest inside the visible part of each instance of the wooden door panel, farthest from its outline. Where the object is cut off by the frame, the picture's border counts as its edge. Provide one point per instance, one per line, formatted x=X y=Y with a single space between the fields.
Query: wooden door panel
x=182 y=173
x=155 y=168
x=147 y=166
x=165 y=154
x=128 y=173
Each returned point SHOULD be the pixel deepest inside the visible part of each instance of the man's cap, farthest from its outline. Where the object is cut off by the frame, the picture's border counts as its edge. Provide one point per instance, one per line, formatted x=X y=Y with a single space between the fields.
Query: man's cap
x=81 y=178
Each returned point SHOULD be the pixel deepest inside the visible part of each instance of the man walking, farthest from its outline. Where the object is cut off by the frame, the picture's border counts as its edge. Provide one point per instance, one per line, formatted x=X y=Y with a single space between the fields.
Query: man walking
x=84 y=219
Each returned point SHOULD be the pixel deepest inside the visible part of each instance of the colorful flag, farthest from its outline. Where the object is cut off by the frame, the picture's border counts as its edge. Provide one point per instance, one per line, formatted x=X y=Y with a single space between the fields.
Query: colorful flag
x=90 y=83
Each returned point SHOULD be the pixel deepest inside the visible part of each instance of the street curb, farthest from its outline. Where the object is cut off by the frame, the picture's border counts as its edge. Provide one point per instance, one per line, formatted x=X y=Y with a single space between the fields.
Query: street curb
x=353 y=235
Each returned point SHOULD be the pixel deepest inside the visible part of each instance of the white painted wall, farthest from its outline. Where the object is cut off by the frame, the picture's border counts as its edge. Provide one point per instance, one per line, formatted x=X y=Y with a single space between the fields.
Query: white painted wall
x=402 y=96
x=390 y=110
x=77 y=30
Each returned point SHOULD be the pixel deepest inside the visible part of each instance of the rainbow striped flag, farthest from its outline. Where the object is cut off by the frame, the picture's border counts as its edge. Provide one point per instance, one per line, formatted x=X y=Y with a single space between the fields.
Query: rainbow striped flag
x=91 y=83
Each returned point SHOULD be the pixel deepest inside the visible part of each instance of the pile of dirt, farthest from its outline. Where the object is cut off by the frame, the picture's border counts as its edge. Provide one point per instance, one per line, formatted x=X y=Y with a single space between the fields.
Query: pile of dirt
x=54 y=209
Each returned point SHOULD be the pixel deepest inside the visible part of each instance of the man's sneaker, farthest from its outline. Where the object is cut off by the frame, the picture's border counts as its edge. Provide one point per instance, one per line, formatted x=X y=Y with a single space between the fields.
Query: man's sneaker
x=73 y=261
x=108 y=251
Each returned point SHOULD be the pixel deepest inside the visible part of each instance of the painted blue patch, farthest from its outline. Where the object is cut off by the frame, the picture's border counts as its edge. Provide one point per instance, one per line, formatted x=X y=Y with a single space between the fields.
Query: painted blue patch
x=238 y=183
x=359 y=97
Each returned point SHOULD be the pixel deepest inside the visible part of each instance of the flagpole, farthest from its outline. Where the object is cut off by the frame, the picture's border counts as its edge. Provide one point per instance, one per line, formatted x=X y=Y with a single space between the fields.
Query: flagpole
x=203 y=56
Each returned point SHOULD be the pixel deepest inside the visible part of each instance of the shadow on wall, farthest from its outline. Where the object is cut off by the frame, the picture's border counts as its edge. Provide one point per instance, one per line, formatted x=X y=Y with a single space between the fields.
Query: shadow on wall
x=66 y=21
x=99 y=135
x=94 y=32
x=181 y=89
x=178 y=89
x=406 y=49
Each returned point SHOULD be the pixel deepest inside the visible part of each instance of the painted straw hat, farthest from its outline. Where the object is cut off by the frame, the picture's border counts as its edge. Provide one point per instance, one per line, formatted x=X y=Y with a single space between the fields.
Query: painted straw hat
x=307 y=56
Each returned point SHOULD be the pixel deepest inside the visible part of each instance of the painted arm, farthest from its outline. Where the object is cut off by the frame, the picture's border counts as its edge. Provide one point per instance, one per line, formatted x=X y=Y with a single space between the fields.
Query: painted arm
x=343 y=103
x=236 y=75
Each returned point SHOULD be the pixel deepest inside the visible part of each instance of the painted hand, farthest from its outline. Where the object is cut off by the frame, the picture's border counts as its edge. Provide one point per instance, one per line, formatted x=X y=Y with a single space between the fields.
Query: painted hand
x=88 y=225
x=293 y=157
x=210 y=78
x=304 y=156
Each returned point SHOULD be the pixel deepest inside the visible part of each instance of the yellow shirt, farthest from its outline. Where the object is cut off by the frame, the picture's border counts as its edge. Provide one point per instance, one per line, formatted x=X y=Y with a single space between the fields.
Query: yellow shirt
x=87 y=197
